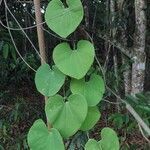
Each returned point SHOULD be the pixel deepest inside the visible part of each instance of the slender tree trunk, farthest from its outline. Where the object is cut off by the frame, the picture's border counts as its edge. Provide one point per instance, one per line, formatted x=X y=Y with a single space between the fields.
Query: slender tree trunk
x=127 y=75
x=40 y=32
x=107 y=44
x=138 y=66
x=113 y=36
x=41 y=39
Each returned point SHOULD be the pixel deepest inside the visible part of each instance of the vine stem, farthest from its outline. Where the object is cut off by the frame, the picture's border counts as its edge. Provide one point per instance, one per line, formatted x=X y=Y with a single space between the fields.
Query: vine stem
x=13 y=41
x=6 y=6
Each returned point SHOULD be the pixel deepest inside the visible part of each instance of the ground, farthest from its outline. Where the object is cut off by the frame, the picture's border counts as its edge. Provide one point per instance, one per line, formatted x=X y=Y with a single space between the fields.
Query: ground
x=20 y=107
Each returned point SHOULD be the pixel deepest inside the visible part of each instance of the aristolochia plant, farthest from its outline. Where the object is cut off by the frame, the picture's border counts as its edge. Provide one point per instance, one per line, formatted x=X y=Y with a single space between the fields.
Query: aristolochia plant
x=109 y=141
x=77 y=110
x=63 y=19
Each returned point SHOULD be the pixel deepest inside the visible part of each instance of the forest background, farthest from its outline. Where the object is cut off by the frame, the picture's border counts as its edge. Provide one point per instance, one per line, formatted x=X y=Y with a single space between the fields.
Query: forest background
x=120 y=30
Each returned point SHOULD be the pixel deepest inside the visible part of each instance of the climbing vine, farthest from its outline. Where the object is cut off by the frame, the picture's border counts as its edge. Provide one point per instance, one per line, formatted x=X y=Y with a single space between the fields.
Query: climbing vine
x=77 y=108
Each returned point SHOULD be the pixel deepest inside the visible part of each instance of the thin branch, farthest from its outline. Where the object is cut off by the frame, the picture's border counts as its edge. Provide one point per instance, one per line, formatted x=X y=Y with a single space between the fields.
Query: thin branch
x=6 y=14
x=128 y=106
x=50 y=33
x=138 y=118
x=18 y=29
x=22 y=29
x=116 y=44
x=133 y=112
x=143 y=134
x=114 y=103
x=26 y=1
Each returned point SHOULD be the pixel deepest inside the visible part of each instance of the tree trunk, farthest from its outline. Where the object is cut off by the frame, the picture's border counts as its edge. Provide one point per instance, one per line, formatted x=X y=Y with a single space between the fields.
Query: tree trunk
x=115 y=57
x=127 y=75
x=138 y=66
x=40 y=32
x=41 y=39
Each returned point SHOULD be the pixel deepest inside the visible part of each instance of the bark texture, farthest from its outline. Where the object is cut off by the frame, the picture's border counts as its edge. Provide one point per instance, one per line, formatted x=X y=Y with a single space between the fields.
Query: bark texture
x=40 y=32
x=123 y=39
x=138 y=66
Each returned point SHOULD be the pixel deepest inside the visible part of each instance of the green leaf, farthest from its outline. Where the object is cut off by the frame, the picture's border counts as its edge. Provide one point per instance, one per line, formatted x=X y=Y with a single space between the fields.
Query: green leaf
x=118 y=120
x=61 y=20
x=74 y=63
x=67 y=116
x=92 y=145
x=40 y=138
x=144 y=108
x=93 y=90
x=49 y=82
x=5 y=50
x=109 y=141
x=13 y=52
x=91 y=119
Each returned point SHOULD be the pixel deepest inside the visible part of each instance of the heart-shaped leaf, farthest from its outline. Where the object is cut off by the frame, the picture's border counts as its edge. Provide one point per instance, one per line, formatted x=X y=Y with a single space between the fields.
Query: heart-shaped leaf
x=68 y=116
x=61 y=20
x=74 y=63
x=109 y=141
x=92 y=145
x=93 y=90
x=91 y=119
x=49 y=82
x=40 y=138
